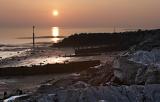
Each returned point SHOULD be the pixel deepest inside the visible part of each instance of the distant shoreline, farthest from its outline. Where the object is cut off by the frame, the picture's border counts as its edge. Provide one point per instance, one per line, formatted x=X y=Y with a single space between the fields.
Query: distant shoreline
x=120 y=41
x=41 y=37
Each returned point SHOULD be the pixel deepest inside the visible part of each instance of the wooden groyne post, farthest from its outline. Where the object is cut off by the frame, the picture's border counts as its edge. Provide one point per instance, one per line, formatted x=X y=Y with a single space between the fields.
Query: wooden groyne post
x=33 y=37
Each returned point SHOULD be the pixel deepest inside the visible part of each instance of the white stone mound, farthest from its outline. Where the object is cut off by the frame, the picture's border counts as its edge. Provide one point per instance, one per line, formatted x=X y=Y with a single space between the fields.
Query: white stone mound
x=146 y=57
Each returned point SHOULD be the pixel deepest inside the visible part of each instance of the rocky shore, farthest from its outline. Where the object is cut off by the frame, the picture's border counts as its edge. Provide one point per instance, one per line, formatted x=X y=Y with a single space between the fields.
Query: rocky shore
x=134 y=93
x=129 y=76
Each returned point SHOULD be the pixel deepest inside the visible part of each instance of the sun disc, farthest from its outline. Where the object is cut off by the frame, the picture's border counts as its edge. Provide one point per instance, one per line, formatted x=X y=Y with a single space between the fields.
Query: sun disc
x=55 y=13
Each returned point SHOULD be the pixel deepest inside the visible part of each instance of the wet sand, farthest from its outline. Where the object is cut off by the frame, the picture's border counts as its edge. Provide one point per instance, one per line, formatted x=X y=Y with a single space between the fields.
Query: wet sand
x=41 y=56
x=67 y=67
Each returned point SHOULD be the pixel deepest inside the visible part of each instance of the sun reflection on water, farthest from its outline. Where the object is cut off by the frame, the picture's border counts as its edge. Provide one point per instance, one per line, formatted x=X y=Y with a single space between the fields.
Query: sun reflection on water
x=55 y=34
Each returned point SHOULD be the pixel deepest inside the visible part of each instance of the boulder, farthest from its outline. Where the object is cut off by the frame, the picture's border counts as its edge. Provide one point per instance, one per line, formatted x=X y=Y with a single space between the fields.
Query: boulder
x=141 y=67
x=126 y=70
x=153 y=75
x=146 y=57
x=133 y=93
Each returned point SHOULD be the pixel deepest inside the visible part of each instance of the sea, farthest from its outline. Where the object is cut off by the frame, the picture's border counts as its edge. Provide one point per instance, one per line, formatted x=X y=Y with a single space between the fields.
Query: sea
x=16 y=35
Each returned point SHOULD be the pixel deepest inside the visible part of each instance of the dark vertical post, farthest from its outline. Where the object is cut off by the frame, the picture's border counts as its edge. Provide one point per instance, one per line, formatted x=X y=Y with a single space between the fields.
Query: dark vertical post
x=33 y=37
x=114 y=29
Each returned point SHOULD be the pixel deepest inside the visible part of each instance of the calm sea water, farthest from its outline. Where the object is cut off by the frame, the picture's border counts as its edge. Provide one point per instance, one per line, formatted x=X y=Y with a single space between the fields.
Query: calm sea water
x=11 y=35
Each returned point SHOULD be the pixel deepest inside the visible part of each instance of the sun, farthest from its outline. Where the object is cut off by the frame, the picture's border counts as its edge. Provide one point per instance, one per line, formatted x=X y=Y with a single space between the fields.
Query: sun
x=55 y=13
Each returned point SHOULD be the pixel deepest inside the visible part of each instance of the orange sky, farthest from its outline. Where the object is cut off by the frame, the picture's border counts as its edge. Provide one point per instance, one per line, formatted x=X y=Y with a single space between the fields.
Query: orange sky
x=81 y=13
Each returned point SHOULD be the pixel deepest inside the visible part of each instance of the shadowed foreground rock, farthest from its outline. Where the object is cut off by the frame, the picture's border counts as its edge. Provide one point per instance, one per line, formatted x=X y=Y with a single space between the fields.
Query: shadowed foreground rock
x=134 y=93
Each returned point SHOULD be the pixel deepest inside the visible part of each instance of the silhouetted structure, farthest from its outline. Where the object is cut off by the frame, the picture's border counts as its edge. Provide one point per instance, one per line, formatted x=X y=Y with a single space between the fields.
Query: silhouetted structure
x=33 y=37
x=114 y=29
x=106 y=41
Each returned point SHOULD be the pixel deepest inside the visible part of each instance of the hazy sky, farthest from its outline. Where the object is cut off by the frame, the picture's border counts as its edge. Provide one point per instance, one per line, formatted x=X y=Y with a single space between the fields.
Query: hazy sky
x=81 y=13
